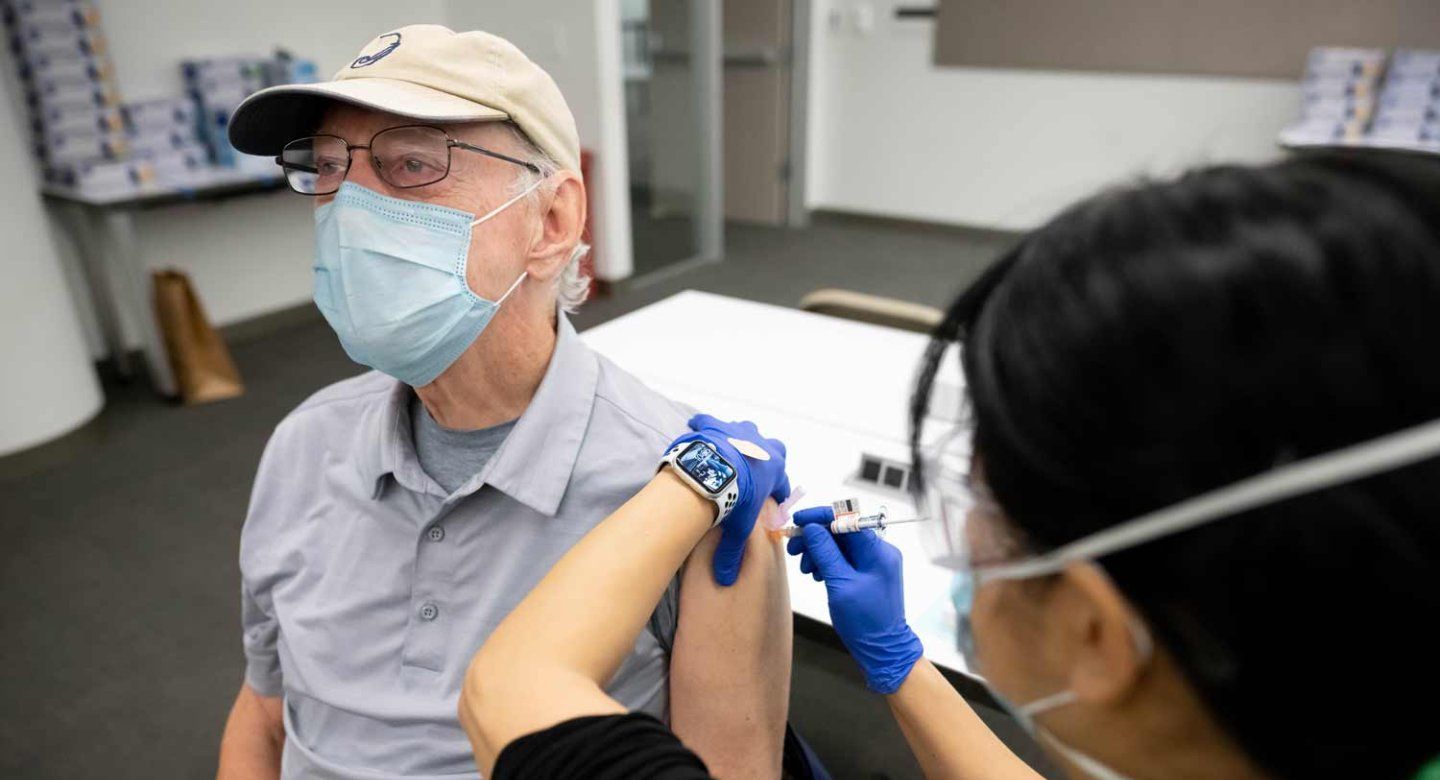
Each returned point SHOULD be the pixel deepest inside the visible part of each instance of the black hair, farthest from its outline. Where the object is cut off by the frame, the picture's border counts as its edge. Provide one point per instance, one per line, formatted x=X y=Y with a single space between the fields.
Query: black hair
x=1163 y=339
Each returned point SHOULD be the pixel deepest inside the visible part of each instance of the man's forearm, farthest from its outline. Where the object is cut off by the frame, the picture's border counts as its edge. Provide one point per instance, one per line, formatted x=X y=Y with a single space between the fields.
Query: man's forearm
x=730 y=671
x=254 y=738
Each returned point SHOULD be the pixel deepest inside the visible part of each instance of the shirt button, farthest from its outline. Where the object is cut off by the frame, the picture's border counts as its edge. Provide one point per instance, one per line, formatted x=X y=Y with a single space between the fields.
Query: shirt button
x=435 y=534
x=428 y=611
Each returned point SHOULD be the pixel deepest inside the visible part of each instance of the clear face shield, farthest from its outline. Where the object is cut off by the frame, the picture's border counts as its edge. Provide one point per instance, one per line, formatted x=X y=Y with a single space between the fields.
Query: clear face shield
x=980 y=554
x=949 y=495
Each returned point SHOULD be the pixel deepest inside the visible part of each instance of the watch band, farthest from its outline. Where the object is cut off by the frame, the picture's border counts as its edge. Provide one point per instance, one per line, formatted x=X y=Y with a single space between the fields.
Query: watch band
x=725 y=499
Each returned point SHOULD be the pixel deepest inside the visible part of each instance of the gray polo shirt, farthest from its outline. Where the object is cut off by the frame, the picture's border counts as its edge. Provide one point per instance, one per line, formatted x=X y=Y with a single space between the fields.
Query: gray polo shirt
x=366 y=587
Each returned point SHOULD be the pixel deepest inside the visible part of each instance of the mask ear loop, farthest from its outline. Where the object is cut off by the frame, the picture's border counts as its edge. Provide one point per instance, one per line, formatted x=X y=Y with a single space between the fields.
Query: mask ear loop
x=1046 y=703
x=507 y=204
x=1144 y=643
x=1140 y=638
x=518 y=280
x=1086 y=764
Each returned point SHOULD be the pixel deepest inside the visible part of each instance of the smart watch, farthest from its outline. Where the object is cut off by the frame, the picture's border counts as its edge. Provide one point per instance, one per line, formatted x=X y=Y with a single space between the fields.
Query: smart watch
x=700 y=465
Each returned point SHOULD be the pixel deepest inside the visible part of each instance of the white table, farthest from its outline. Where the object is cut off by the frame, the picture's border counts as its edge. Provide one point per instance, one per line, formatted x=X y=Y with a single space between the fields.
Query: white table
x=829 y=388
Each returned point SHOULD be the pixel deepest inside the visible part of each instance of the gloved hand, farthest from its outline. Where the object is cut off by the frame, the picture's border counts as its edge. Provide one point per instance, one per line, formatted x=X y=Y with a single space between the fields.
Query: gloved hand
x=862 y=576
x=755 y=478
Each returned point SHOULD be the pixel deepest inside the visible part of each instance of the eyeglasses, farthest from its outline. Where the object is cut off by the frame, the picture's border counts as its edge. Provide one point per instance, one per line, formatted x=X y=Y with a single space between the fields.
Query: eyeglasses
x=404 y=157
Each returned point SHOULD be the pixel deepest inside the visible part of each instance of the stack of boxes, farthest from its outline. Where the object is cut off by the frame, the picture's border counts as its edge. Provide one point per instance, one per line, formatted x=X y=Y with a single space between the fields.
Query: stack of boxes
x=165 y=134
x=89 y=141
x=70 y=90
x=1339 y=95
x=1408 y=114
x=219 y=85
x=1347 y=104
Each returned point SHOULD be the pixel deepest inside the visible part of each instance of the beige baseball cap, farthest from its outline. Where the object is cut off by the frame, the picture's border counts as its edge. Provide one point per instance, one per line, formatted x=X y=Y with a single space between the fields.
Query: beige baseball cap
x=424 y=72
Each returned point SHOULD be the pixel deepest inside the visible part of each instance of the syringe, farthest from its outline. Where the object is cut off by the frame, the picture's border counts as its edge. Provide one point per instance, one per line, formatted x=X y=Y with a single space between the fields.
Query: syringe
x=853 y=523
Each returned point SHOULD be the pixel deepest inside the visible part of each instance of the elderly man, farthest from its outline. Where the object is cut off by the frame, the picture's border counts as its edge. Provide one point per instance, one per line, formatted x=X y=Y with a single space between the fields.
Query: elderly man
x=398 y=516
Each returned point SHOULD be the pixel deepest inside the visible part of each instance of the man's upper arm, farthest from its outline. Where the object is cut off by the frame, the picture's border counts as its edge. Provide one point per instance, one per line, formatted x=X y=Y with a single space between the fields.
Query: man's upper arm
x=261 y=634
x=730 y=669
x=272 y=503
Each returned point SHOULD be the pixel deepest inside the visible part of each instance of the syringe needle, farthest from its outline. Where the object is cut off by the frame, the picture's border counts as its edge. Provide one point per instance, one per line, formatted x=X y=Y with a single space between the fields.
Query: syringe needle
x=889 y=523
x=791 y=531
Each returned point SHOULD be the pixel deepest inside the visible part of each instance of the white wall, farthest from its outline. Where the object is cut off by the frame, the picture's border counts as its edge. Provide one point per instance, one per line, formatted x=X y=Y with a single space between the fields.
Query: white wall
x=48 y=385
x=252 y=255
x=578 y=43
x=148 y=38
x=890 y=134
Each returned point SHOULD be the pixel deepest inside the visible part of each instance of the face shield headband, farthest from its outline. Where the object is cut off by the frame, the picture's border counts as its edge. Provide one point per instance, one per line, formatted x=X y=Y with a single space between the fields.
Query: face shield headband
x=950 y=498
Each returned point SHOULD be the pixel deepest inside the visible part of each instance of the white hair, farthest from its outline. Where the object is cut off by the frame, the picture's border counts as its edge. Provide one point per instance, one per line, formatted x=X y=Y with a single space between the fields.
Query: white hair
x=573 y=286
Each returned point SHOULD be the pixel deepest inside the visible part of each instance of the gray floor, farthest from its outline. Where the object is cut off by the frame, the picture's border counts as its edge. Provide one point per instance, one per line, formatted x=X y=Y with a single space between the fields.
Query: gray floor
x=659 y=241
x=117 y=572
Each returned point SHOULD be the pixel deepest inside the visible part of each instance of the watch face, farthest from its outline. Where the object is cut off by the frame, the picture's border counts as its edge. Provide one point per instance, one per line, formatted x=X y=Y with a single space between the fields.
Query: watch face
x=705 y=466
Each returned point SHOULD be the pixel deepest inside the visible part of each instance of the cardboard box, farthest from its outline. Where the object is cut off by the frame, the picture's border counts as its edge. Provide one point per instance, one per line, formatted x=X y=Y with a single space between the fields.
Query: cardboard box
x=162 y=114
x=81 y=119
x=103 y=178
x=55 y=72
x=155 y=142
x=79 y=12
x=60 y=149
x=79 y=43
x=1415 y=63
x=1345 y=63
x=58 y=97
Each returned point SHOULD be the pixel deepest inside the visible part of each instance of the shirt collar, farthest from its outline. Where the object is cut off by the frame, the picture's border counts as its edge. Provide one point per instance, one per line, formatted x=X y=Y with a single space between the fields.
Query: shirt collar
x=535 y=462
x=395 y=453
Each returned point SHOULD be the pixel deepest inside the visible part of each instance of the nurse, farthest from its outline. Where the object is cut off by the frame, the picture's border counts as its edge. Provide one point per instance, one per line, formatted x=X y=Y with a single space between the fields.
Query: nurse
x=1194 y=512
x=1194 y=507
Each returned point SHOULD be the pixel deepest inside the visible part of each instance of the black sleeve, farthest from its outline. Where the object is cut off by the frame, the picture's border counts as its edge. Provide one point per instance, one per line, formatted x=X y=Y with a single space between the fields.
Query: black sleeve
x=601 y=747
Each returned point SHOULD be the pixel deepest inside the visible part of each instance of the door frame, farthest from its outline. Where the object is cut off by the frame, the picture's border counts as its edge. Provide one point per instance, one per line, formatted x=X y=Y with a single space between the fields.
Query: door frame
x=706 y=45
x=707 y=42
x=797 y=214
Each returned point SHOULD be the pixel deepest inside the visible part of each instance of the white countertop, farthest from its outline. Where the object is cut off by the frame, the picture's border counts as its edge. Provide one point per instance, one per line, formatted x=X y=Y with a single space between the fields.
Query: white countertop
x=829 y=388
x=203 y=182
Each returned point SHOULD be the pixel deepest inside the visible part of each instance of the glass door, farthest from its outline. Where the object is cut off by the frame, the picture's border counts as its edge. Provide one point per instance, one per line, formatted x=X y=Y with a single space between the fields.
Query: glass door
x=672 y=56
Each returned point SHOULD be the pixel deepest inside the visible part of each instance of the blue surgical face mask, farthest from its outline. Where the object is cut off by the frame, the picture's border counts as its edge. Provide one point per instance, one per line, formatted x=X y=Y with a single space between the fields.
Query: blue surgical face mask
x=962 y=595
x=390 y=278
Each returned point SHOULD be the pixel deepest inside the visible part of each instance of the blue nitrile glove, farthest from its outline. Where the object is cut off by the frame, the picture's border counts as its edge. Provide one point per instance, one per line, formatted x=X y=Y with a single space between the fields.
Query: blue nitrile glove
x=755 y=479
x=863 y=579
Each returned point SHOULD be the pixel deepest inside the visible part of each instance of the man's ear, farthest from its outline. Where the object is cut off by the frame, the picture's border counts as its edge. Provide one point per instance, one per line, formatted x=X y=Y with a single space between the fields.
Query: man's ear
x=562 y=222
x=1096 y=625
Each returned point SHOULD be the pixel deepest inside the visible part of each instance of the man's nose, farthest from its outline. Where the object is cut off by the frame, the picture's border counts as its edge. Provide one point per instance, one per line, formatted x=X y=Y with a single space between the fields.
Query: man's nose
x=362 y=170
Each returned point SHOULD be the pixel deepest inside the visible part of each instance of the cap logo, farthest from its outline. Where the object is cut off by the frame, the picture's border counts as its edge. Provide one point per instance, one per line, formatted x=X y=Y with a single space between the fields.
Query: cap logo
x=371 y=59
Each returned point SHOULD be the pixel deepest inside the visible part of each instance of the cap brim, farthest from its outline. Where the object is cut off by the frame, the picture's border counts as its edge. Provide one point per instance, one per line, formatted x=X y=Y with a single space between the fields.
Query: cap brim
x=273 y=117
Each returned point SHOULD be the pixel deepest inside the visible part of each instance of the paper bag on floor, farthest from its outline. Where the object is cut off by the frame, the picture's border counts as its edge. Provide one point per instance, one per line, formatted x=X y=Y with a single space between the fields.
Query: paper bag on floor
x=204 y=370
